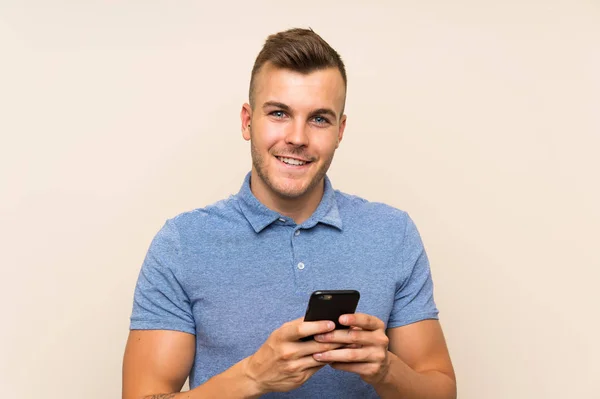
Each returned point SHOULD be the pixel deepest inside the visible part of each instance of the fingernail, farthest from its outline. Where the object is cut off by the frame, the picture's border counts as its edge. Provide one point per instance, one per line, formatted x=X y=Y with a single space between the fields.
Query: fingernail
x=320 y=337
x=331 y=324
x=318 y=356
x=344 y=319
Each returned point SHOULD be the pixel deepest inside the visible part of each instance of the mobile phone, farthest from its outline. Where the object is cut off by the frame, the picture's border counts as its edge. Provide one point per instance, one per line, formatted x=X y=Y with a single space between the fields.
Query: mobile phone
x=330 y=305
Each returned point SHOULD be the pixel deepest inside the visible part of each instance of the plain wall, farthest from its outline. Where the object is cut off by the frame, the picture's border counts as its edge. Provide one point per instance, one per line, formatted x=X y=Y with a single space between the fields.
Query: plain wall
x=479 y=118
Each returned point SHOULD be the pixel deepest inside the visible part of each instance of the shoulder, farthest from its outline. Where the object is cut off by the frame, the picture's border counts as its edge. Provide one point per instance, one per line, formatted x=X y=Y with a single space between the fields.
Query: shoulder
x=219 y=215
x=358 y=209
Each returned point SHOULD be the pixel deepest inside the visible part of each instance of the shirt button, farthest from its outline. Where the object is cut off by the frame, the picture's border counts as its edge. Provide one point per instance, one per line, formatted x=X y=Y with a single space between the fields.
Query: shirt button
x=300 y=265
x=282 y=220
x=297 y=233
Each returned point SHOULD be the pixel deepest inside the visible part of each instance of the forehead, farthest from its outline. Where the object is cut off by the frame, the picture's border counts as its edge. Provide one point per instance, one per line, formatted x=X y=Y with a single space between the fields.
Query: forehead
x=324 y=87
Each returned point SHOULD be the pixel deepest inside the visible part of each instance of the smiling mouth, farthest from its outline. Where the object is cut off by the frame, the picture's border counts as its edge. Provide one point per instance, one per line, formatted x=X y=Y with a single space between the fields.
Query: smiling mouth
x=292 y=161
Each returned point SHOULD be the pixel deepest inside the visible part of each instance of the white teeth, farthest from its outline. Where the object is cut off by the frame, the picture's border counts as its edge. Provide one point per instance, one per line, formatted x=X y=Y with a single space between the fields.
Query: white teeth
x=291 y=161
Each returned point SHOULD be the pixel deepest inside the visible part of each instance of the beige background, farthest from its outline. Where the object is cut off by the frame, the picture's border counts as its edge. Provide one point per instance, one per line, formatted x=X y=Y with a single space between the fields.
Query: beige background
x=479 y=118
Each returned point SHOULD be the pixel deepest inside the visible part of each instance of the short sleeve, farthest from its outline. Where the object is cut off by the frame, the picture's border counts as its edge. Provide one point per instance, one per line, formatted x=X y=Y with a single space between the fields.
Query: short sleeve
x=414 y=290
x=160 y=302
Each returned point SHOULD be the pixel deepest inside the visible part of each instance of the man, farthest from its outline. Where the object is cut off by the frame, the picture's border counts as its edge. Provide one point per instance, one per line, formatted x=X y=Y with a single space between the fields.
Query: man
x=223 y=289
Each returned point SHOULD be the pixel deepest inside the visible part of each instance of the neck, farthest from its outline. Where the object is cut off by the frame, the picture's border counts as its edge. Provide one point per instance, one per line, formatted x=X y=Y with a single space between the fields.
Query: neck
x=299 y=208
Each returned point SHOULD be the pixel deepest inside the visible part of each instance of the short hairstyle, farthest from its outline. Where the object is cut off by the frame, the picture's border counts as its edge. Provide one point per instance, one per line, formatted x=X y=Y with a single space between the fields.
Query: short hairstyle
x=299 y=50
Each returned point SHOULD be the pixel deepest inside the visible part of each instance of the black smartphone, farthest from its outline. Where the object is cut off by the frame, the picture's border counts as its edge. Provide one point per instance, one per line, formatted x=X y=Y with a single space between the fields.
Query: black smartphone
x=330 y=305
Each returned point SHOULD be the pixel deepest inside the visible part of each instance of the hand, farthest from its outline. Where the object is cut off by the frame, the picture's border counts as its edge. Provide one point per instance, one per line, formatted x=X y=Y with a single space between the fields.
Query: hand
x=283 y=362
x=367 y=350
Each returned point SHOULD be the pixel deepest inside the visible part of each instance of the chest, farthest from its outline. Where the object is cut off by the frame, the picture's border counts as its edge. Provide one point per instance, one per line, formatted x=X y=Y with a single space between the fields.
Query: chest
x=246 y=287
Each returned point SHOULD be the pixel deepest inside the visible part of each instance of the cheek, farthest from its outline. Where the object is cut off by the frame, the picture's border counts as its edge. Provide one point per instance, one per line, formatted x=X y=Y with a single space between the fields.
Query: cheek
x=269 y=135
x=326 y=144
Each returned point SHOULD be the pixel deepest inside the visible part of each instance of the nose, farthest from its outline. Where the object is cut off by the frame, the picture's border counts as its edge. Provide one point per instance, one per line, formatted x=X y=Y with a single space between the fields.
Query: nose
x=296 y=134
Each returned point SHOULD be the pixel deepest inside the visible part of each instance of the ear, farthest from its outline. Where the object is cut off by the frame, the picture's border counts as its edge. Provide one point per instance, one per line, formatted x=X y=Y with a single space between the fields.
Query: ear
x=246 y=118
x=341 y=130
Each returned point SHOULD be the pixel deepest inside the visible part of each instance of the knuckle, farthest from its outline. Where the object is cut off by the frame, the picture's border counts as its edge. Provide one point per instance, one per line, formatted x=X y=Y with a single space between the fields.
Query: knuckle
x=277 y=334
x=286 y=354
x=375 y=324
x=268 y=347
x=379 y=356
x=353 y=336
x=384 y=340
x=289 y=368
x=298 y=379
x=288 y=326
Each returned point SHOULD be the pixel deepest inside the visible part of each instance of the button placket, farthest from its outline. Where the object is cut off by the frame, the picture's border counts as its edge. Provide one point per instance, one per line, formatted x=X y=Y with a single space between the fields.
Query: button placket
x=299 y=265
x=299 y=258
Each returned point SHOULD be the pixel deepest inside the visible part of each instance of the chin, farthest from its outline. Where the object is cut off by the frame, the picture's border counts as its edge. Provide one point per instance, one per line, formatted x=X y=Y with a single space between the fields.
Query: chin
x=291 y=191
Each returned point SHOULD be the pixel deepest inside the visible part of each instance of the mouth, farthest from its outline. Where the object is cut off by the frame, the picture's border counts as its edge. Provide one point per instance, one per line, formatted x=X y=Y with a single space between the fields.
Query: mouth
x=292 y=161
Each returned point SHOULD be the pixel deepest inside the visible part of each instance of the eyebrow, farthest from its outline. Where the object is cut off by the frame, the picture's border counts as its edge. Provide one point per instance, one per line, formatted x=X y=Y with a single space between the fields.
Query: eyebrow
x=285 y=107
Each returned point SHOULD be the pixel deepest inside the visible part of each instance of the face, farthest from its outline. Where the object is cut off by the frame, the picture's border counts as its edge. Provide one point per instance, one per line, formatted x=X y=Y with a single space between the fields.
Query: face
x=295 y=127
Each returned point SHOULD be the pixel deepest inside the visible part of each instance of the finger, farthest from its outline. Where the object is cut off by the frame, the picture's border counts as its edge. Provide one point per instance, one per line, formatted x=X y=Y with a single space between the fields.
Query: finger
x=366 y=370
x=360 y=355
x=311 y=347
x=354 y=345
x=352 y=367
x=301 y=365
x=362 y=320
x=357 y=337
x=294 y=330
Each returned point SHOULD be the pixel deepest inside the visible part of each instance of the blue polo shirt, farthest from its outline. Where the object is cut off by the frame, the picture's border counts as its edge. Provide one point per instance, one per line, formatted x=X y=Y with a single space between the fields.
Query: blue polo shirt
x=234 y=271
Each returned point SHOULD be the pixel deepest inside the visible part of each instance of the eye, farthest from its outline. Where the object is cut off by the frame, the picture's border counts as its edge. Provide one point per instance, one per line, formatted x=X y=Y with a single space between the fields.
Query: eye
x=278 y=114
x=321 y=120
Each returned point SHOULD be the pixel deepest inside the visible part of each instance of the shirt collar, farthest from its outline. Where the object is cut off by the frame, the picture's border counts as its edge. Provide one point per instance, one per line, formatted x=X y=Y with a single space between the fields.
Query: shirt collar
x=259 y=216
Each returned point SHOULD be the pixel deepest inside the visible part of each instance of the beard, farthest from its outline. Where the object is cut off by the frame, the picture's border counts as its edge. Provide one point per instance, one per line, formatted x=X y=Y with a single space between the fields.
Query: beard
x=283 y=190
